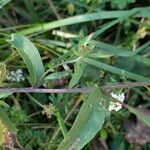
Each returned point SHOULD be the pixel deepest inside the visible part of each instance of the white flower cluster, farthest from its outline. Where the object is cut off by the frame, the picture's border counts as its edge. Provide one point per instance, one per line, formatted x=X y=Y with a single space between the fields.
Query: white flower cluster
x=15 y=76
x=115 y=105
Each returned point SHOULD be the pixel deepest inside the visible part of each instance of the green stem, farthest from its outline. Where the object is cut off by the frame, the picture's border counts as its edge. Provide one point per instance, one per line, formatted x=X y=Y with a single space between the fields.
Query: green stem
x=61 y=122
x=34 y=100
x=31 y=9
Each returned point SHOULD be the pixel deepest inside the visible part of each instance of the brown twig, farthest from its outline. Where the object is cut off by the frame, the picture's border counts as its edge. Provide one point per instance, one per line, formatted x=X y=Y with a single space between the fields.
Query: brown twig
x=75 y=90
x=67 y=117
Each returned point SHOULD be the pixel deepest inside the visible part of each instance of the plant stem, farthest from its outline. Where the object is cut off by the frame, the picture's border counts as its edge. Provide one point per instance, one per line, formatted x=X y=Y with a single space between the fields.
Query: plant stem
x=67 y=117
x=75 y=90
x=61 y=123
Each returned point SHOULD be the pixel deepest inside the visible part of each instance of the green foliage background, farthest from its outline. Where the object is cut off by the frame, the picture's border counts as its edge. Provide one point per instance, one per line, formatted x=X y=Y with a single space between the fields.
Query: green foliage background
x=74 y=43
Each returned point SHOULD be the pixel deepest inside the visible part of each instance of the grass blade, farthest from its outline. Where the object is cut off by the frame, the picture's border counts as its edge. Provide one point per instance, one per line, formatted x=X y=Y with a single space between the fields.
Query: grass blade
x=115 y=70
x=61 y=122
x=113 y=50
x=31 y=9
x=3 y=3
x=142 y=59
x=138 y=50
x=140 y=12
x=141 y=115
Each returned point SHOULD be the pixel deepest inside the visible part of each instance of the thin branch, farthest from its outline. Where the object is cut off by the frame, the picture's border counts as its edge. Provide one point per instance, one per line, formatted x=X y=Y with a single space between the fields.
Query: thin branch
x=77 y=102
x=53 y=9
x=75 y=90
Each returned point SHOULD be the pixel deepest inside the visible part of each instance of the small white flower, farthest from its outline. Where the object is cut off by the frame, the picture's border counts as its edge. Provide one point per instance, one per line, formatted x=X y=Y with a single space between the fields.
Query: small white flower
x=115 y=105
x=119 y=97
x=14 y=76
x=19 y=71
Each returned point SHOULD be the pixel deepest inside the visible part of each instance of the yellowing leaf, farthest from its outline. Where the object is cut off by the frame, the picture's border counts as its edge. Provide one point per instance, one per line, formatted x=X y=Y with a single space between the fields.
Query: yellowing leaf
x=2 y=131
x=2 y=73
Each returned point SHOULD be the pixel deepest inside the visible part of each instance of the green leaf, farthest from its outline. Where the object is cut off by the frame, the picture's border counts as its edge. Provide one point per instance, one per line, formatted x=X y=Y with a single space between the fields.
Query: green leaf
x=31 y=57
x=3 y=3
x=2 y=103
x=78 y=71
x=99 y=54
x=6 y=121
x=145 y=117
x=88 y=122
x=1 y=138
x=4 y=95
x=115 y=51
x=142 y=59
x=2 y=130
x=139 y=12
x=121 y=3
x=31 y=8
x=3 y=73
x=115 y=70
x=57 y=75
x=106 y=26
x=70 y=8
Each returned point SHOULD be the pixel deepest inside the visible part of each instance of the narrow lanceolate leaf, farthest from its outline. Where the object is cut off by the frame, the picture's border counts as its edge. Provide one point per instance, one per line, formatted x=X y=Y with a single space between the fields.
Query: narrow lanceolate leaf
x=145 y=117
x=31 y=57
x=78 y=71
x=29 y=5
x=139 y=12
x=99 y=54
x=88 y=122
x=115 y=51
x=115 y=70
